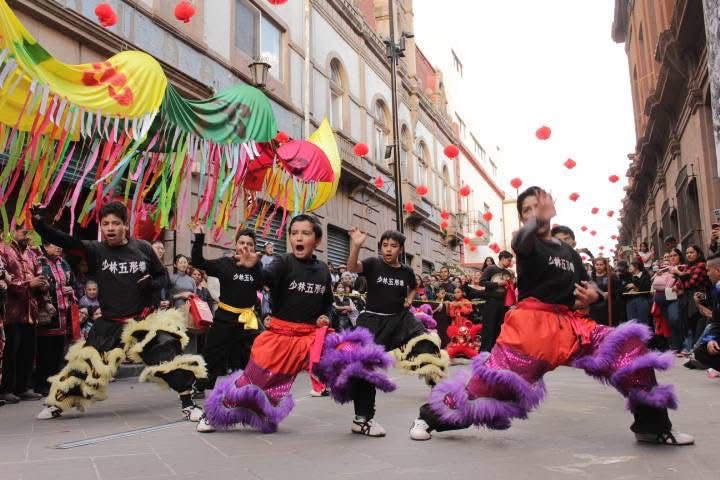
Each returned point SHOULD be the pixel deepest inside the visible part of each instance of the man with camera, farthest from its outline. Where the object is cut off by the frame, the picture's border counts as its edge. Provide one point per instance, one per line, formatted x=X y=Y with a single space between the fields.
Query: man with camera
x=707 y=351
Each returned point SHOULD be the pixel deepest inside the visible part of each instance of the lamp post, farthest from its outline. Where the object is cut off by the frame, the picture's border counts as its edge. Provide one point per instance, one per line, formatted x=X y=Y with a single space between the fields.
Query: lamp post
x=394 y=52
x=259 y=72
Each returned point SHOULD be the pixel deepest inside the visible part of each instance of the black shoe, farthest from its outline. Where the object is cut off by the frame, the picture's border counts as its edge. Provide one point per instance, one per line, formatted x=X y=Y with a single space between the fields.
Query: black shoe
x=9 y=398
x=30 y=395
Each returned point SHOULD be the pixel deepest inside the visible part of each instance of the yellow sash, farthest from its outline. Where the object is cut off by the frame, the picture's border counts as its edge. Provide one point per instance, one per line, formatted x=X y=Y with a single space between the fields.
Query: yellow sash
x=245 y=315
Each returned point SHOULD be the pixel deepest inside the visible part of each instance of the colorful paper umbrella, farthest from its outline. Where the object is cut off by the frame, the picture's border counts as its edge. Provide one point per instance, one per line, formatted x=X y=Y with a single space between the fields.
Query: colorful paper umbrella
x=306 y=161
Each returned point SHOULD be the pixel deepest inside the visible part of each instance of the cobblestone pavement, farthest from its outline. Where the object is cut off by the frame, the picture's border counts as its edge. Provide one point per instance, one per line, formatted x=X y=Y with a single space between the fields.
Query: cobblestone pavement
x=580 y=432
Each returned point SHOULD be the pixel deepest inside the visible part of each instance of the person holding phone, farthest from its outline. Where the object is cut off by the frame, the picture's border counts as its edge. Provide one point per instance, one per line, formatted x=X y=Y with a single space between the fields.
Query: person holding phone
x=707 y=351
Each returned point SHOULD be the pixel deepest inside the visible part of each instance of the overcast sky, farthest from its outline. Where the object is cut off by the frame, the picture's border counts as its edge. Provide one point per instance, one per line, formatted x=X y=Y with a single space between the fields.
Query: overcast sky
x=529 y=63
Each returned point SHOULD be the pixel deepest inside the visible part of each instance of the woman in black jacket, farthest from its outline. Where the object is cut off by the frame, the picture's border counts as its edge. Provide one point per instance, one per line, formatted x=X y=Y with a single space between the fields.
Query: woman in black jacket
x=639 y=298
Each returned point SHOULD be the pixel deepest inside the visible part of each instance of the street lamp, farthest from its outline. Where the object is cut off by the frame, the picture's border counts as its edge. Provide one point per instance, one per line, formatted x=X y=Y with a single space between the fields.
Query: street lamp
x=259 y=72
x=394 y=51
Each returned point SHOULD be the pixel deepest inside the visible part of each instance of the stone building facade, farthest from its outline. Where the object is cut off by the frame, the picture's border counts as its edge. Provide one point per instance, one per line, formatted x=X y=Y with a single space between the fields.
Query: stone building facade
x=673 y=172
x=350 y=84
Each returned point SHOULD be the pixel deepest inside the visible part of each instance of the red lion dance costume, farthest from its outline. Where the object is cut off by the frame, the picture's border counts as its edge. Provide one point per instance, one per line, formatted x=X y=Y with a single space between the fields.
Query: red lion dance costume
x=463 y=334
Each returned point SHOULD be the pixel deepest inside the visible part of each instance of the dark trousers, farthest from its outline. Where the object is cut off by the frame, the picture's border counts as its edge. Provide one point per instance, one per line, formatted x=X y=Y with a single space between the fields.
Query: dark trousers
x=18 y=358
x=493 y=315
x=50 y=351
x=226 y=345
x=363 y=394
x=704 y=357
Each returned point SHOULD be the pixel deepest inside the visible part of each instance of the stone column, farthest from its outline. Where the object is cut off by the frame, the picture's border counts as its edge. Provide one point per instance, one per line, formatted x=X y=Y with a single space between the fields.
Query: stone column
x=712 y=32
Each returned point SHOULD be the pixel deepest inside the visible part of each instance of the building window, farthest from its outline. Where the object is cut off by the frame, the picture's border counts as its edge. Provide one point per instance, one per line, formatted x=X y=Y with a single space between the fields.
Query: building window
x=421 y=158
x=404 y=147
x=461 y=126
x=688 y=209
x=428 y=267
x=381 y=131
x=446 y=202
x=338 y=245
x=457 y=63
x=337 y=94
x=257 y=36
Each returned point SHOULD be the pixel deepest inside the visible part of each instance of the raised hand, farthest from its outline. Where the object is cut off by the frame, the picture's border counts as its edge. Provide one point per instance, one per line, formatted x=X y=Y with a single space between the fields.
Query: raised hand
x=246 y=257
x=197 y=228
x=546 y=207
x=357 y=236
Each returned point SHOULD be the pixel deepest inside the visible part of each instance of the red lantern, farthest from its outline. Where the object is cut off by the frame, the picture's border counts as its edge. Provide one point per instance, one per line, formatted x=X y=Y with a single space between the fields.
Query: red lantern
x=184 y=11
x=106 y=15
x=574 y=196
x=473 y=248
x=494 y=247
x=516 y=183
x=543 y=133
x=451 y=151
x=570 y=163
x=421 y=190
x=479 y=233
x=610 y=213
x=594 y=210
x=444 y=224
x=379 y=182
x=277 y=2
x=465 y=191
x=282 y=137
x=409 y=207
x=601 y=247
x=487 y=216
x=466 y=240
x=583 y=257
x=613 y=178
x=593 y=233
x=445 y=215
x=613 y=237
x=360 y=150
x=583 y=228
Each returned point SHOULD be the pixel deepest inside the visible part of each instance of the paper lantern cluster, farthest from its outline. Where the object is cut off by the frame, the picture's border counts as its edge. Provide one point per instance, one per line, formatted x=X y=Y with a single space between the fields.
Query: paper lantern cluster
x=106 y=15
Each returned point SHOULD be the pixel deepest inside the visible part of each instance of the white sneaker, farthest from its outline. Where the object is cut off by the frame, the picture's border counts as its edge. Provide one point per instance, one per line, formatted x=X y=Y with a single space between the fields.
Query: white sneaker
x=204 y=426
x=666 y=438
x=193 y=413
x=367 y=427
x=48 y=412
x=420 y=430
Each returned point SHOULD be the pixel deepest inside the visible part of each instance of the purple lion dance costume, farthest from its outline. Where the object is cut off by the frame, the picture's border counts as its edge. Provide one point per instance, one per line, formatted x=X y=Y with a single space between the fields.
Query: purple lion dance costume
x=508 y=382
x=260 y=397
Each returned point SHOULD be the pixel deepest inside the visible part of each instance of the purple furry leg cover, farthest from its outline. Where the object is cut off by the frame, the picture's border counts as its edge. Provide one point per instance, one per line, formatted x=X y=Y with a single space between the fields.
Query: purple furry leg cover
x=485 y=396
x=353 y=355
x=623 y=360
x=230 y=405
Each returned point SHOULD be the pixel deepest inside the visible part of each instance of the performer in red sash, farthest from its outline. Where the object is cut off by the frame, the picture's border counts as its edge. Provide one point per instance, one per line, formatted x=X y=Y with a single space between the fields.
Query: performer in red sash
x=543 y=333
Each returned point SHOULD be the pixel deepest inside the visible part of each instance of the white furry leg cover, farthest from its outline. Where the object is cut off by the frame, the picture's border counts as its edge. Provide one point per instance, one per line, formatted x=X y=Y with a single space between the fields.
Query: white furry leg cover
x=158 y=341
x=423 y=357
x=85 y=378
